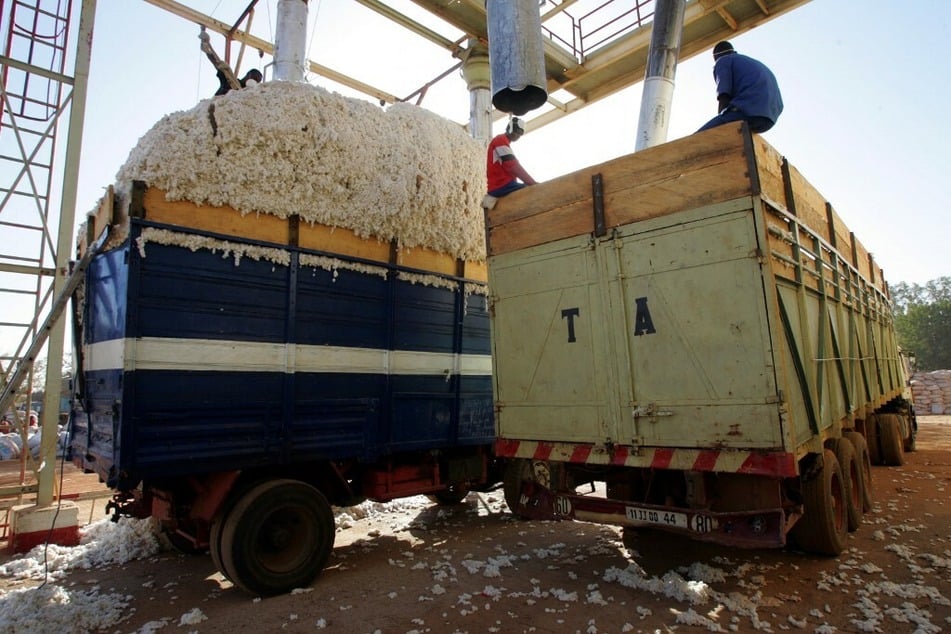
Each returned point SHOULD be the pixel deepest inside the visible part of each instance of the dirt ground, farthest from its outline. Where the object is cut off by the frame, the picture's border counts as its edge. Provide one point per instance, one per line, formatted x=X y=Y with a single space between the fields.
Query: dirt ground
x=474 y=568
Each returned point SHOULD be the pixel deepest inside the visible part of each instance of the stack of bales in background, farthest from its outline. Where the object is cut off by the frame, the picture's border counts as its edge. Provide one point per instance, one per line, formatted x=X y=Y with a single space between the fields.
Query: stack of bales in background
x=932 y=392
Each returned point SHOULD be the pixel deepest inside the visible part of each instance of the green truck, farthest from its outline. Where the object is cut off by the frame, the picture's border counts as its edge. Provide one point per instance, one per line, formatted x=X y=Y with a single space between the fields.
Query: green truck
x=689 y=338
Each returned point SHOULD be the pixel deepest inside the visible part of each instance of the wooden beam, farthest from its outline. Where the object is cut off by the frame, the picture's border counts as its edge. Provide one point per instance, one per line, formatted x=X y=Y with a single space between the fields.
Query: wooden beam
x=729 y=19
x=224 y=29
x=412 y=25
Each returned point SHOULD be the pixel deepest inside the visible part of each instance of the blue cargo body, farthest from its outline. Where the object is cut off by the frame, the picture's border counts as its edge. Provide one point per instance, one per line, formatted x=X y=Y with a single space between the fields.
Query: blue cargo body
x=194 y=363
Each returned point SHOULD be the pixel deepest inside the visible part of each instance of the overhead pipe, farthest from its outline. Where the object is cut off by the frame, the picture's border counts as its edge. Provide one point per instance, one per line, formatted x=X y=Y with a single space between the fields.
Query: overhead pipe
x=658 y=95
x=517 y=55
x=290 y=40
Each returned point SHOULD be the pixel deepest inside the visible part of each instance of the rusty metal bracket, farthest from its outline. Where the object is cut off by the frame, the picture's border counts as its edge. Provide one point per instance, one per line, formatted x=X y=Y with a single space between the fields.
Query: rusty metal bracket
x=597 y=199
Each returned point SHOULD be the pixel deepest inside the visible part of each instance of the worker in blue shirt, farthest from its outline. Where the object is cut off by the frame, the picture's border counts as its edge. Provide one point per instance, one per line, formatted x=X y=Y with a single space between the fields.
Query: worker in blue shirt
x=746 y=91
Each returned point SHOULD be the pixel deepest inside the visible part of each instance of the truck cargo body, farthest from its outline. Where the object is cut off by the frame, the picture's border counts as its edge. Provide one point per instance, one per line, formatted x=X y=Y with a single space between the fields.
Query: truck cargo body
x=691 y=326
x=214 y=360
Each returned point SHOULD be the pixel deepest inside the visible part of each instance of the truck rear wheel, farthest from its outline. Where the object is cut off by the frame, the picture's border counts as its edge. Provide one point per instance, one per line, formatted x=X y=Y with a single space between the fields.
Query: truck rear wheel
x=893 y=450
x=909 y=443
x=852 y=480
x=277 y=537
x=865 y=466
x=872 y=439
x=517 y=471
x=214 y=542
x=823 y=528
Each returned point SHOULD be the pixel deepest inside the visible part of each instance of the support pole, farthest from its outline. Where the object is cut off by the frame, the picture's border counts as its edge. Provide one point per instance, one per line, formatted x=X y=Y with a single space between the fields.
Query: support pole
x=290 y=40
x=666 y=34
x=49 y=417
x=476 y=71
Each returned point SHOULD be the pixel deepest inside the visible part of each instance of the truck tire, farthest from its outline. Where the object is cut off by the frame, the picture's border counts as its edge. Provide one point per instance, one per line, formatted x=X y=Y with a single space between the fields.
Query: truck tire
x=516 y=471
x=865 y=466
x=217 y=525
x=824 y=526
x=893 y=451
x=910 y=428
x=872 y=439
x=214 y=546
x=277 y=537
x=852 y=480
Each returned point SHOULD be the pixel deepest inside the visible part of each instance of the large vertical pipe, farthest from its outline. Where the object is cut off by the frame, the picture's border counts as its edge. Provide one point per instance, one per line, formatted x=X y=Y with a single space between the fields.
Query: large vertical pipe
x=517 y=55
x=290 y=40
x=658 y=93
x=475 y=70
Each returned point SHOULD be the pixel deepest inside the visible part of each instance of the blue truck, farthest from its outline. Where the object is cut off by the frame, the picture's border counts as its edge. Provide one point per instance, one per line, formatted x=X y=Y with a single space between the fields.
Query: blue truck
x=236 y=399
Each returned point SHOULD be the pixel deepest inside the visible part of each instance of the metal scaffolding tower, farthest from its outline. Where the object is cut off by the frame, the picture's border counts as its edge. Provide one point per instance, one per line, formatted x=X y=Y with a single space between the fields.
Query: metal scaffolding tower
x=43 y=93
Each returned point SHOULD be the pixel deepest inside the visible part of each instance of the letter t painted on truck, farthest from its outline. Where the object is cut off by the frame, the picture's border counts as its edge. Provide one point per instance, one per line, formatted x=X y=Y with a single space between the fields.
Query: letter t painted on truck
x=570 y=314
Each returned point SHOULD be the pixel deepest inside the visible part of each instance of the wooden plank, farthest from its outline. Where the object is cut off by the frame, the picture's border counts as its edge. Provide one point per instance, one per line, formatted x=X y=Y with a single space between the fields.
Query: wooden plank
x=476 y=271
x=862 y=264
x=769 y=167
x=678 y=176
x=269 y=228
x=811 y=209
x=782 y=253
x=810 y=205
x=343 y=241
x=427 y=259
x=558 y=223
x=100 y=218
x=658 y=165
x=223 y=220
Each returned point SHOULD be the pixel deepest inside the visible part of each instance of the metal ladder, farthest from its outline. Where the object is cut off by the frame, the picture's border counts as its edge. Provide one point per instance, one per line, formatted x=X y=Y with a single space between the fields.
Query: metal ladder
x=34 y=37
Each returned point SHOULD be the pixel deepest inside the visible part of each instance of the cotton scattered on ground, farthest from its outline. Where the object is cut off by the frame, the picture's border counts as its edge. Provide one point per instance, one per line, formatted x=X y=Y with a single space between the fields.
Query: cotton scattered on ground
x=102 y=544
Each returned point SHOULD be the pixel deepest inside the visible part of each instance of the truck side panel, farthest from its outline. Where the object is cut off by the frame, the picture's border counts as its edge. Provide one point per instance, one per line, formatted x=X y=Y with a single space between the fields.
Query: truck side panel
x=221 y=365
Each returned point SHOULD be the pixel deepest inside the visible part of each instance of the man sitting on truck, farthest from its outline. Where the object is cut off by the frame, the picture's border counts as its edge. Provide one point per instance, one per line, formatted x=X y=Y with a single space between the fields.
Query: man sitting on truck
x=503 y=171
x=746 y=91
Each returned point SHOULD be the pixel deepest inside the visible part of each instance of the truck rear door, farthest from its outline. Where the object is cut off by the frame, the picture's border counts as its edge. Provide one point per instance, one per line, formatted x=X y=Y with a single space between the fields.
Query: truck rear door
x=657 y=336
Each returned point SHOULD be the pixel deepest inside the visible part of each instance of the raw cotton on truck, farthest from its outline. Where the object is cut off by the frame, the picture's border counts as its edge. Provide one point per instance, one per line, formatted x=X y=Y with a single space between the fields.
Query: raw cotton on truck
x=287 y=310
x=689 y=338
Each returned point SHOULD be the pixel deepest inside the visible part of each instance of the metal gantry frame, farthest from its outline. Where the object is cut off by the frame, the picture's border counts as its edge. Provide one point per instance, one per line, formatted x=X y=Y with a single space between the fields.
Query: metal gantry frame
x=593 y=48
x=43 y=85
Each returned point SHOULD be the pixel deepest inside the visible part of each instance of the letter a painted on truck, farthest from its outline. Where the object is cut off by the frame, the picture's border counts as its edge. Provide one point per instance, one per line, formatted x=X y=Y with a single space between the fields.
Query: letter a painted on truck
x=643 y=324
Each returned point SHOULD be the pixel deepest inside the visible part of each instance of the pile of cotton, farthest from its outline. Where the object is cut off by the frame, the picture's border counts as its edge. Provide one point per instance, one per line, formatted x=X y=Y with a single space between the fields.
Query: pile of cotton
x=289 y=148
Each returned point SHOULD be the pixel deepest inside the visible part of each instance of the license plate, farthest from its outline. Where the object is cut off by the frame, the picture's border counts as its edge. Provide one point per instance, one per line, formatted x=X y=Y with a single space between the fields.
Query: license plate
x=655 y=517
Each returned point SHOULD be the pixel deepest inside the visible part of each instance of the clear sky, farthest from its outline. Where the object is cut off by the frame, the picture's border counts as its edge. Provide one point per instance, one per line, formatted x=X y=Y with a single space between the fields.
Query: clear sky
x=866 y=88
